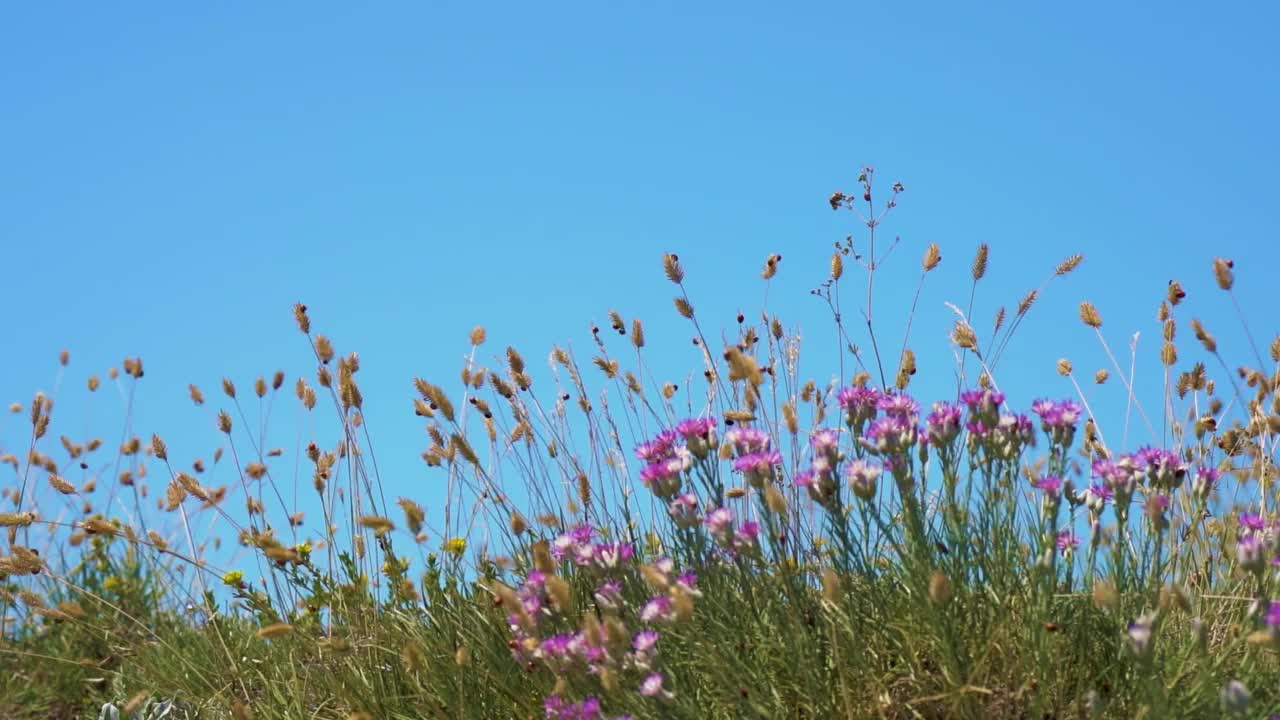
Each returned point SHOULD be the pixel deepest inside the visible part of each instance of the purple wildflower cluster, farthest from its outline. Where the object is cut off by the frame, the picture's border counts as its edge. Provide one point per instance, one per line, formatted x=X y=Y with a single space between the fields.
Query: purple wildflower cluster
x=1053 y=490
x=663 y=608
x=1271 y=617
x=683 y=510
x=896 y=431
x=1158 y=473
x=1001 y=435
x=1051 y=486
x=667 y=462
x=1058 y=420
x=859 y=405
x=602 y=646
x=745 y=538
x=754 y=455
x=887 y=424
x=672 y=453
x=862 y=477
x=1096 y=497
x=1140 y=637
x=1255 y=544
x=1119 y=476
x=1206 y=479
x=1162 y=470
x=1066 y=541
x=577 y=546
x=984 y=408
x=1156 y=506
x=556 y=708
x=942 y=426
x=820 y=479
x=699 y=436
x=886 y=428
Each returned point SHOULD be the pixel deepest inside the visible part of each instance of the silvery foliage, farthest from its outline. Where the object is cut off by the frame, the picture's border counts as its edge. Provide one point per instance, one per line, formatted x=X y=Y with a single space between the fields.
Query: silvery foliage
x=149 y=711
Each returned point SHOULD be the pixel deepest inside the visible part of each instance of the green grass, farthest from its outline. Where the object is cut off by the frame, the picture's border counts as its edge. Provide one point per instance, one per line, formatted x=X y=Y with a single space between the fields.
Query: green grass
x=939 y=591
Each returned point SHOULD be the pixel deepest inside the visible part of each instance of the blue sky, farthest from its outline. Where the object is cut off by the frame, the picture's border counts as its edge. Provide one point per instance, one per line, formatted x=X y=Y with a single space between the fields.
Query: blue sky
x=174 y=176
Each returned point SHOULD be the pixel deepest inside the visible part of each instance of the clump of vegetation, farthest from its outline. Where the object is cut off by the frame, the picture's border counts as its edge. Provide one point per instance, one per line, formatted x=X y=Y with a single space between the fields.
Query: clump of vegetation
x=754 y=544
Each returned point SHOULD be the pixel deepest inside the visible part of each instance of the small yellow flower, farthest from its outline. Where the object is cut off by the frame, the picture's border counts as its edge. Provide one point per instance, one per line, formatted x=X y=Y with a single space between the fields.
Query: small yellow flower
x=233 y=578
x=304 y=549
x=112 y=583
x=455 y=546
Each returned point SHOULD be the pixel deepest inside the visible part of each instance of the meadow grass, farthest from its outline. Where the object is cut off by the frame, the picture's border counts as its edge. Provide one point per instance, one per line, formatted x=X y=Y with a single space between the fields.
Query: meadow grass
x=781 y=547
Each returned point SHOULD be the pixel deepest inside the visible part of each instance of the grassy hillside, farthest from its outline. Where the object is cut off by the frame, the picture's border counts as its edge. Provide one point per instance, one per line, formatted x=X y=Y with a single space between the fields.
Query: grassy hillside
x=761 y=544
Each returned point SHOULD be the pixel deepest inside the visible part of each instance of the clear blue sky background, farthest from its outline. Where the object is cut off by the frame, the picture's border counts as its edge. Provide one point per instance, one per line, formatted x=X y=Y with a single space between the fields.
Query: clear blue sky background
x=174 y=176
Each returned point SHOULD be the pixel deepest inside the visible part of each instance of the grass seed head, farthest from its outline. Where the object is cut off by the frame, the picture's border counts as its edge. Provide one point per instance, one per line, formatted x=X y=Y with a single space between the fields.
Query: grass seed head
x=979 y=268
x=771 y=266
x=932 y=256
x=300 y=317
x=939 y=588
x=62 y=485
x=135 y=703
x=1089 y=315
x=1105 y=596
x=560 y=594
x=774 y=500
x=1066 y=266
x=671 y=268
x=964 y=337
x=542 y=557
x=1222 y=268
x=324 y=349
x=1210 y=345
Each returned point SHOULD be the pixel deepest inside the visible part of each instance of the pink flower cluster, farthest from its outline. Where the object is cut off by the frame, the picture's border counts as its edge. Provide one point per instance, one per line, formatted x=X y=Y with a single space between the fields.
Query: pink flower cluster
x=578 y=547
x=820 y=479
x=599 y=646
x=1162 y=469
x=745 y=538
x=859 y=405
x=557 y=708
x=1058 y=420
x=672 y=453
x=754 y=455
x=942 y=426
